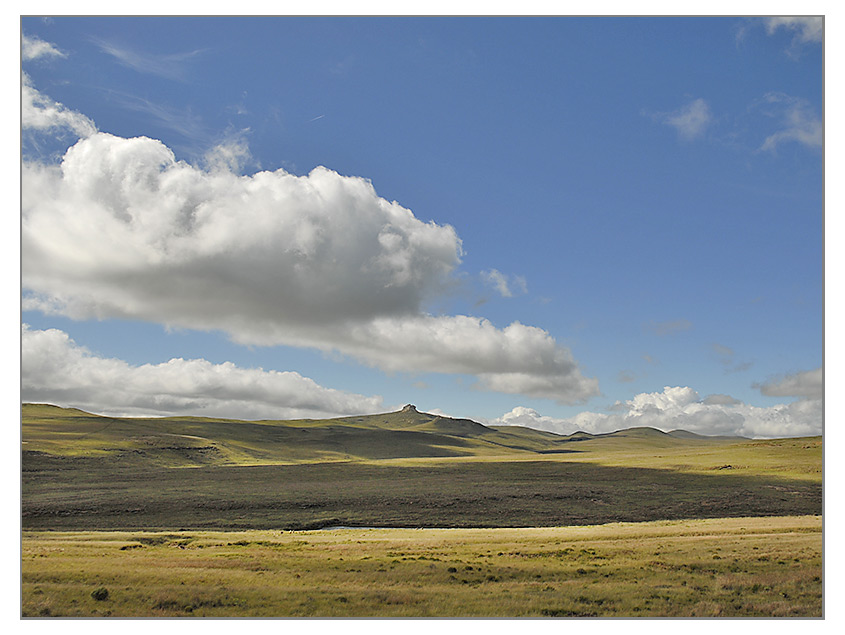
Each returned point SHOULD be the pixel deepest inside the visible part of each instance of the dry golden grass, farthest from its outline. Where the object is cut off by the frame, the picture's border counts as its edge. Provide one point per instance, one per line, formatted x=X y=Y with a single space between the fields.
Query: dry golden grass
x=718 y=567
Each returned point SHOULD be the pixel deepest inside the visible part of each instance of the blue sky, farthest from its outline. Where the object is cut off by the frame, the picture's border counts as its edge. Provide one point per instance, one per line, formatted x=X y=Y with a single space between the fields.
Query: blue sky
x=568 y=223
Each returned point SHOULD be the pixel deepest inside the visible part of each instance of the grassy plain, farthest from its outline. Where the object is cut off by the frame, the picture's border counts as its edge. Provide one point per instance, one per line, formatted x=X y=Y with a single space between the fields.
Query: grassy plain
x=209 y=517
x=84 y=493
x=405 y=469
x=716 y=567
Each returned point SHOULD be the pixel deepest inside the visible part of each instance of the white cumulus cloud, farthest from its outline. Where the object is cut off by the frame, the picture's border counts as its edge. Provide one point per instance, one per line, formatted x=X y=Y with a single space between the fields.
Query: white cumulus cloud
x=54 y=369
x=121 y=229
x=681 y=408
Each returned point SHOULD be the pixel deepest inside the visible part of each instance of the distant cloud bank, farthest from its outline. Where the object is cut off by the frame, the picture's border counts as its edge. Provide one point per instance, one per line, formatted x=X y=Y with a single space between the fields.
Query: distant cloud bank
x=681 y=407
x=54 y=369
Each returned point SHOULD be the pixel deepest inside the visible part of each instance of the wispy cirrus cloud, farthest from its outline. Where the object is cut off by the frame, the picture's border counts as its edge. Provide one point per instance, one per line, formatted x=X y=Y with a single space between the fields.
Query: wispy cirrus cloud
x=669 y=327
x=506 y=285
x=806 y=29
x=626 y=377
x=797 y=122
x=174 y=66
x=197 y=139
x=690 y=121
x=728 y=360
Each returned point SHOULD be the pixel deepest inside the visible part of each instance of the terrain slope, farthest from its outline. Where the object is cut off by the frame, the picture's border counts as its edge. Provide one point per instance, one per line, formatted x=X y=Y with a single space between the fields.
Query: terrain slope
x=406 y=468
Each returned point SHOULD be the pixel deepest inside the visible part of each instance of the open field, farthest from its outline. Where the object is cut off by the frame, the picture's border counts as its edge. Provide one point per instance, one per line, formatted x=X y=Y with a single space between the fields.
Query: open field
x=718 y=567
x=406 y=469
x=189 y=516
x=85 y=493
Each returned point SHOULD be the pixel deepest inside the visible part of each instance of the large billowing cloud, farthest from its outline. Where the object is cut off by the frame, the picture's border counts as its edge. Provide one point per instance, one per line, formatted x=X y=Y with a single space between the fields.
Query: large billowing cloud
x=681 y=408
x=121 y=229
x=54 y=369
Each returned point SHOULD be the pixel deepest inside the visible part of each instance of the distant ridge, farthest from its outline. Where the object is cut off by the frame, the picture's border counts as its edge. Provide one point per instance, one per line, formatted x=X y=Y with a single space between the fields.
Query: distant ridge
x=404 y=434
x=407 y=416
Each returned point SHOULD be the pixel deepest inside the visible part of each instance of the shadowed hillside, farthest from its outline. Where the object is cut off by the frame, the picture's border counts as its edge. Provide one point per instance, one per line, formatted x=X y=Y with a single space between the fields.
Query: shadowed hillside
x=406 y=468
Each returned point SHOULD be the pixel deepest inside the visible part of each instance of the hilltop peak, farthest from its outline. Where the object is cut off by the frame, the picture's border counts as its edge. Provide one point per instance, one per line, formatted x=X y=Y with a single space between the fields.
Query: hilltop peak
x=409 y=408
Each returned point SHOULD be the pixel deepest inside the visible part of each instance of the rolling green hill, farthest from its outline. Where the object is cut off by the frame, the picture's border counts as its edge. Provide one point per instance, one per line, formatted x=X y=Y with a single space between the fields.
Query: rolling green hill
x=406 y=468
x=188 y=441
x=406 y=434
